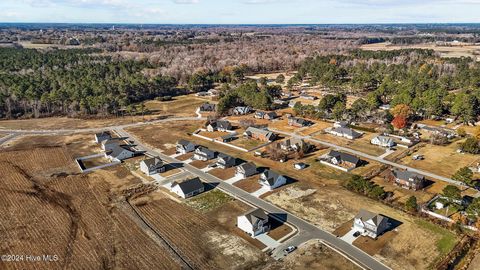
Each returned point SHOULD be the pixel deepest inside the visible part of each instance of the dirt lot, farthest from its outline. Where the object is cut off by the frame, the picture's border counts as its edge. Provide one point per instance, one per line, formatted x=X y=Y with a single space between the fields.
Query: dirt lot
x=200 y=164
x=442 y=160
x=374 y=246
x=223 y=174
x=250 y=184
x=278 y=230
x=213 y=135
x=247 y=143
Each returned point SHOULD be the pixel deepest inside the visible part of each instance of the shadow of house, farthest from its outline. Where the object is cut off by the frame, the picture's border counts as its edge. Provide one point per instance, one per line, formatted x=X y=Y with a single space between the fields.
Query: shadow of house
x=277 y=219
x=392 y=224
x=210 y=186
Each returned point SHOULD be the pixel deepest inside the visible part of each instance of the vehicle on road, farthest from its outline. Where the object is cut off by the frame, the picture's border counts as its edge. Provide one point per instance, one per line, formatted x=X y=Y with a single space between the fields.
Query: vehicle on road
x=289 y=249
x=356 y=234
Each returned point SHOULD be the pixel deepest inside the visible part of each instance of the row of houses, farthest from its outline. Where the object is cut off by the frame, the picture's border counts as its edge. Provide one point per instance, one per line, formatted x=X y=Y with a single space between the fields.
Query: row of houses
x=115 y=149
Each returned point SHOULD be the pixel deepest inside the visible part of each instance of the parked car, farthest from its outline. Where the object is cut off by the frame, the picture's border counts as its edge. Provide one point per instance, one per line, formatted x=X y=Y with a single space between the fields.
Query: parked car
x=356 y=234
x=289 y=249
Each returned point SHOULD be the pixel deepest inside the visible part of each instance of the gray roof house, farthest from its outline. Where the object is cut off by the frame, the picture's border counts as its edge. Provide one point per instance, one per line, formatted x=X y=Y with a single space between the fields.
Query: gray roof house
x=260 y=134
x=117 y=152
x=187 y=188
x=225 y=161
x=383 y=141
x=271 y=179
x=152 y=166
x=253 y=222
x=102 y=136
x=184 y=146
x=207 y=107
x=203 y=153
x=370 y=224
x=345 y=132
x=242 y=110
x=246 y=170
x=409 y=180
x=298 y=122
x=293 y=144
x=220 y=125
x=340 y=160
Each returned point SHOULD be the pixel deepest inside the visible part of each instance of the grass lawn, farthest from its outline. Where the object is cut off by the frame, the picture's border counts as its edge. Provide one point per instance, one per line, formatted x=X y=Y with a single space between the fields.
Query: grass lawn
x=209 y=200
x=447 y=239
x=247 y=143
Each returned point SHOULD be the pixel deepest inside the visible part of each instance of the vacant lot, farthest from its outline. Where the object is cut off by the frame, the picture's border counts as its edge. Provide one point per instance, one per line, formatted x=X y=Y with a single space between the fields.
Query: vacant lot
x=223 y=174
x=246 y=143
x=441 y=160
x=250 y=184
x=361 y=144
x=179 y=106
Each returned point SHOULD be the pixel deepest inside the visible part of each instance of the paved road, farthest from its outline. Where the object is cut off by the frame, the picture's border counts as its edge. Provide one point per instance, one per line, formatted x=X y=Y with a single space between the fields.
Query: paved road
x=307 y=231
x=378 y=159
x=8 y=138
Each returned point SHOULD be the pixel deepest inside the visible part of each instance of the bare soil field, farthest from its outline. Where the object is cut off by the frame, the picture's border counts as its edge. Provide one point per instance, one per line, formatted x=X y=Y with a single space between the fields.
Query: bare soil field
x=445 y=51
x=200 y=164
x=443 y=160
x=223 y=174
x=374 y=246
x=250 y=184
x=247 y=143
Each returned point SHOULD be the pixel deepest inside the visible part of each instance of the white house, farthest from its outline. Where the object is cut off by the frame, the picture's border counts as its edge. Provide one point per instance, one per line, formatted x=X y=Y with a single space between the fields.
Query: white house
x=383 y=141
x=225 y=161
x=246 y=170
x=203 y=153
x=184 y=147
x=152 y=166
x=119 y=153
x=340 y=124
x=299 y=166
x=253 y=222
x=272 y=180
x=187 y=188
x=370 y=224
x=345 y=132
x=219 y=125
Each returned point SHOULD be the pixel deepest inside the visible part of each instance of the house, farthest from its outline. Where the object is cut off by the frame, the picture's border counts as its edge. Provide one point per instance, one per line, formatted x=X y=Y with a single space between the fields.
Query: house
x=293 y=144
x=246 y=170
x=225 y=161
x=213 y=92
x=253 y=222
x=340 y=124
x=152 y=166
x=341 y=159
x=229 y=137
x=202 y=94
x=265 y=115
x=370 y=224
x=109 y=144
x=102 y=136
x=298 y=122
x=184 y=147
x=242 y=110
x=219 y=125
x=187 y=188
x=271 y=179
x=203 y=153
x=385 y=107
x=259 y=114
x=308 y=97
x=280 y=102
x=259 y=134
x=299 y=166
x=407 y=179
x=383 y=141
x=119 y=152
x=345 y=132
x=207 y=107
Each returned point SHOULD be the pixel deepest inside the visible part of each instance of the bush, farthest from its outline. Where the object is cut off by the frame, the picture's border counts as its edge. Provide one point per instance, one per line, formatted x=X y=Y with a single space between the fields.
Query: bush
x=164 y=98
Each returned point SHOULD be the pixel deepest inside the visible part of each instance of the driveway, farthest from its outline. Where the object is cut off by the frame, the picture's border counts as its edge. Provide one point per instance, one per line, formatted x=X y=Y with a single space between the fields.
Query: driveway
x=234 y=179
x=260 y=191
x=348 y=237
x=267 y=240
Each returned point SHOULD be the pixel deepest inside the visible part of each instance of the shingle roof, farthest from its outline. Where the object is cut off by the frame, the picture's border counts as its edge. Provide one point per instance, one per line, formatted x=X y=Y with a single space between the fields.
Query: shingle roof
x=255 y=215
x=270 y=177
x=226 y=157
x=153 y=162
x=344 y=156
x=384 y=139
x=183 y=142
x=365 y=215
x=347 y=131
x=249 y=166
x=189 y=185
x=407 y=175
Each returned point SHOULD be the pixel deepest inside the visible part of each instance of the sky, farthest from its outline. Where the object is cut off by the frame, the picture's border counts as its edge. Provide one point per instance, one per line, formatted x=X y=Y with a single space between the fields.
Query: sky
x=241 y=11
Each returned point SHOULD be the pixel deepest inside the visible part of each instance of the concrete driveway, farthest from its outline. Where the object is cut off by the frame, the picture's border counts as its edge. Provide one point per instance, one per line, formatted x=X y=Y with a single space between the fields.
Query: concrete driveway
x=348 y=237
x=267 y=241
x=234 y=179
x=260 y=191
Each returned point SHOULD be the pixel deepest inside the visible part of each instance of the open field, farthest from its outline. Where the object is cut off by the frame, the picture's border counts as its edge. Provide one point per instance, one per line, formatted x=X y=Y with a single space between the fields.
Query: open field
x=443 y=160
x=223 y=174
x=213 y=135
x=445 y=51
x=200 y=164
x=361 y=144
x=317 y=127
x=246 y=143
x=249 y=184
x=179 y=106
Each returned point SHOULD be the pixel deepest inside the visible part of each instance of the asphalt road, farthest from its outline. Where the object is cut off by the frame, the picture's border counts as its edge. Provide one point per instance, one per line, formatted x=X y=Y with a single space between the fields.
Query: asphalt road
x=307 y=231
x=378 y=159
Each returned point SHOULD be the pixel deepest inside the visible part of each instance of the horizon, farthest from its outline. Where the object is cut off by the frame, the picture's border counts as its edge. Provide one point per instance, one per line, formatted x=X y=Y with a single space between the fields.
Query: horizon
x=240 y=12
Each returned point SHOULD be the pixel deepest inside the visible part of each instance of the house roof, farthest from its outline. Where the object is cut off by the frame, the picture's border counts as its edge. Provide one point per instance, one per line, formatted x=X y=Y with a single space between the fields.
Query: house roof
x=264 y=132
x=183 y=142
x=103 y=134
x=365 y=215
x=407 y=175
x=384 y=139
x=272 y=114
x=255 y=214
x=270 y=177
x=344 y=156
x=207 y=107
x=249 y=166
x=347 y=131
x=293 y=141
x=116 y=150
x=153 y=162
x=299 y=121
x=189 y=185
x=226 y=157
x=205 y=151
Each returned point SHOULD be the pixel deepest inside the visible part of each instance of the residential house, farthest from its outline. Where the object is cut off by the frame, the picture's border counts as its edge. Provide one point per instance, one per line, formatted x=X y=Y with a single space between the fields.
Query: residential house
x=119 y=152
x=340 y=124
x=253 y=222
x=152 y=166
x=102 y=136
x=246 y=170
x=225 y=161
x=229 y=137
x=308 y=97
x=109 y=144
x=207 y=107
x=259 y=134
x=299 y=166
x=219 y=125
x=345 y=132
x=409 y=180
x=202 y=94
x=385 y=107
x=184 y=146
x=293 y=144
x=271 y=179
x=265 y=115
x=242 y=110
x=383 y=141
x=342 y=160
x=203 y=153
x=187 y=188
x=370 y=224
x=259 y=114
x=298 y=122
x=213 y=92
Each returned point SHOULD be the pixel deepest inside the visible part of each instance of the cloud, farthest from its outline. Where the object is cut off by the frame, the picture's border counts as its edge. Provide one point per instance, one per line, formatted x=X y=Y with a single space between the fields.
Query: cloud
x=186 y=2
x=255 y=2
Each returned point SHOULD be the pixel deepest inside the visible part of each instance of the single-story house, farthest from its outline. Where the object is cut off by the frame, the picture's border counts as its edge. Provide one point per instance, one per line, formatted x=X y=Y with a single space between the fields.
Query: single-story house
x=219 y=125
x=309 y=97
x=187 y=188
x=299 y=166
x=342 y=159
x=119 y=152
x=246 y=170
x=229 y=137
x=383 y=141
x=408 y=179
x=345 y=132
x=203 y=153
x=242 y=110
x=370 y=224
x=298 y=122
x=225 y=161
x=253 y=222
x=271 y=179
x=259 y=134
x=184 y=146
x=102 y=136
x=265 y=115
x=207 y=107
x=339 y=124
x=152 y=166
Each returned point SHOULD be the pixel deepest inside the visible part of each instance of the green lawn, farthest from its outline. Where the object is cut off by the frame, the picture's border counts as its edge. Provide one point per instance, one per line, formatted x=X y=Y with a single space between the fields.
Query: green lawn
x=209 y=200
x=447 y=239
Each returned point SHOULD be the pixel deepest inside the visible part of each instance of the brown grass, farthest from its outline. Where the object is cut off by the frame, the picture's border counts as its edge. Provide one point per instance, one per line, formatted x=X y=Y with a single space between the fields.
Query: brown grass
x=249 y=185
x=374 y=246
x=223 y=174
x=200 y=164
x=343 y=229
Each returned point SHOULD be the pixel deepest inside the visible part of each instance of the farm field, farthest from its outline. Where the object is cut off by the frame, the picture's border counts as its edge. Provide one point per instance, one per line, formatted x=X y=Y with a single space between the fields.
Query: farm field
x=443 y=160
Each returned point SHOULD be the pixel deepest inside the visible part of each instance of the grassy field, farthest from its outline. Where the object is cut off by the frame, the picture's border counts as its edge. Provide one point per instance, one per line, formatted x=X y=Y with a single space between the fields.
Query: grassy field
x=209 y=200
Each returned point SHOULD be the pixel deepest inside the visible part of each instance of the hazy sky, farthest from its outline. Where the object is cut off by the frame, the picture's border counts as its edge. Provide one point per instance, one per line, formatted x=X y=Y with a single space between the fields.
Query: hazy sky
x=240 y=11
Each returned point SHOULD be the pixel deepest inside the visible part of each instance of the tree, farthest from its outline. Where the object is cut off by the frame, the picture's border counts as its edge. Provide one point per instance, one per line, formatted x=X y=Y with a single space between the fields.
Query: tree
x=471 y=145
x=339 y=110
x=461 y=132
x=464 y=175
x=402 y=110
x=452 y=192
x=399 y=122
x=280 y=78
x=411 y=204
x=473 y=210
